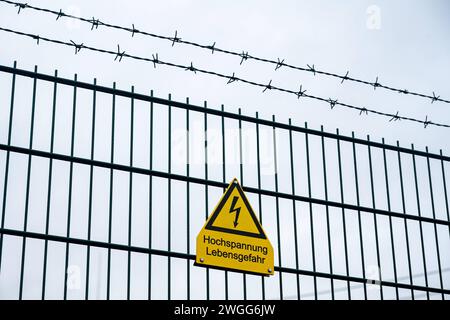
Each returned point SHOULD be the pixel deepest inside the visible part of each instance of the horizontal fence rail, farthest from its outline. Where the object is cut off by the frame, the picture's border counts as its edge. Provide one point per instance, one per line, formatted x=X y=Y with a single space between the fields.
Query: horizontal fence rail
x=104 y=191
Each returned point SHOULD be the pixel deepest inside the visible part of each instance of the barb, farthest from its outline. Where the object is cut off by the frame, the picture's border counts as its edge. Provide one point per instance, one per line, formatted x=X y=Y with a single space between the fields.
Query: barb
x=133 y=31
x=269 y=86
x=244 y=56
x=119 y=55
x=191 y=68
x=212 y=47
x=427 y=122
x=232 y=79
x=36 y=37
x=434 y=98
x=21 y=6
x=226 y=51
x=78 y=47
x=396 y=117
x=155 y=60
x=332 y=103
x=279 y=64
x=175 y=38
x=345 y=77
x=311 y=69
x=95 y=23
x=60 y=14
x=376 y=84
x=300 y=92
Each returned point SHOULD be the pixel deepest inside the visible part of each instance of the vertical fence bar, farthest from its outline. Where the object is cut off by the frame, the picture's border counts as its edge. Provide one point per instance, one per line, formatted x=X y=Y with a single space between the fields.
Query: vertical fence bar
x=425 y=273
x=241 y=169
x=169 y=199
x=375 y=222
x=91 y=176
x=294 y=207
x=205 y=118
x=111 y=196
x=311 y=218
x=49 y=188
x=150 y=202
x=188 y=192
x=434 y=224
x=386 y=177
x=405 y=222
x=223 y=180
x=258 y=160
x=5 y=182
x=444 y=183
x=277 y=204
x=325 y=183
x=344 y=227
x=130 y=197
x=359 y=216
x=27 y=196
x=69 y=205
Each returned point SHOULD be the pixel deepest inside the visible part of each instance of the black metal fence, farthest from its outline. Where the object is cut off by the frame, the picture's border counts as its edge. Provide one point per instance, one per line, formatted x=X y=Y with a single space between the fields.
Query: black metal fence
x=103 y=192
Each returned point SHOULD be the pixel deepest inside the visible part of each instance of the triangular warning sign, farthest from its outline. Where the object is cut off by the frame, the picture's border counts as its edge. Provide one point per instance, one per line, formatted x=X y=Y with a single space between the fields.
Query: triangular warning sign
x=234 y=215
x=232 y=237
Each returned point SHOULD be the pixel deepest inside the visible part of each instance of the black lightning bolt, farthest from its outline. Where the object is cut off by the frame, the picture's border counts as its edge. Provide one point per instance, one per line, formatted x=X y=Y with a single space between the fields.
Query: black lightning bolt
x=237 y=210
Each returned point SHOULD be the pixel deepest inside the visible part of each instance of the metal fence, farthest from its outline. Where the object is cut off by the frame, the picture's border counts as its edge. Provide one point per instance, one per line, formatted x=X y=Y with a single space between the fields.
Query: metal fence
x=104 y=191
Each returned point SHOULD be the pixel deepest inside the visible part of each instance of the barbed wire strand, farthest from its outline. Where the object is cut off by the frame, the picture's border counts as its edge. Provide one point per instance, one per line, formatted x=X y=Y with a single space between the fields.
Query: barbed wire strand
x=95 y=23
x=119 y=55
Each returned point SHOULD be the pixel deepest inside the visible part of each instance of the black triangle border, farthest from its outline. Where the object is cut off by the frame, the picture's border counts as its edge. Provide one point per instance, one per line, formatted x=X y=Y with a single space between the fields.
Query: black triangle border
x=209 y=225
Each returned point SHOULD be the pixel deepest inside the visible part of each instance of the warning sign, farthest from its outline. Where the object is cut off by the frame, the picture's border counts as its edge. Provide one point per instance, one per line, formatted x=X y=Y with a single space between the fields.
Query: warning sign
x=232 y=237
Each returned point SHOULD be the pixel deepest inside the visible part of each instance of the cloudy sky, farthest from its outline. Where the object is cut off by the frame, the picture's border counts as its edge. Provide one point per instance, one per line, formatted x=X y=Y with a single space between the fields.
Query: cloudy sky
x=403 y=43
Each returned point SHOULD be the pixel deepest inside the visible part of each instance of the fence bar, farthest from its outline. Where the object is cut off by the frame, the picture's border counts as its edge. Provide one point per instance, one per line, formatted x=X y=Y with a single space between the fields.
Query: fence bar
x=375 y=222
x=27 y=196
x=277 y=204
x=435 y=228
x=405 y=223
x=69 y=203
x=165 y=253
x=137 y=96
x=218 y=184
x=344 y=226
x=294 y=208
x=5 y=182
x=330 y=257
x=361 y=244
x=91 y=174
x=241 y=174
x=258 y=163
x=205 y=148
x=188 y=209
x=111 y=196
x=49 y=188
x=130 y=197
x=391 y=232
x=224 y=181
x=420 y=223
x=169 y=199
x=311 y=218
x=150 y=201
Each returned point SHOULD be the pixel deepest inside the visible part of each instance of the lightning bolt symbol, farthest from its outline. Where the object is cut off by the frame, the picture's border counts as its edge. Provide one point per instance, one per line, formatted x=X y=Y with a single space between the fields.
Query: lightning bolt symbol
x=237 y=210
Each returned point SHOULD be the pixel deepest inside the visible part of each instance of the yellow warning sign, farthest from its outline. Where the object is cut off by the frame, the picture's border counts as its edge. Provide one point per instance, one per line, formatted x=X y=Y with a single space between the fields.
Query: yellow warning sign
x=232 y=237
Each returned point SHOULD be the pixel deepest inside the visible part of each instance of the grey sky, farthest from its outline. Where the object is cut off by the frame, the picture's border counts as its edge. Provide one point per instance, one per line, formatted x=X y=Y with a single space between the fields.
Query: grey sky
x=410 y=50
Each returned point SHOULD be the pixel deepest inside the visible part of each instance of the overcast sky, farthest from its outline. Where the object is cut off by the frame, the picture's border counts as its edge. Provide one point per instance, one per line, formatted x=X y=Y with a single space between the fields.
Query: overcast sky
x=403 y=43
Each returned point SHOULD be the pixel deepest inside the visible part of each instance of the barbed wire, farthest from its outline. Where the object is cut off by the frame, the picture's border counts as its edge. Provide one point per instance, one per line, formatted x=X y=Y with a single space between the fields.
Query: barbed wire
x=119 y=55
x=244 y=55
